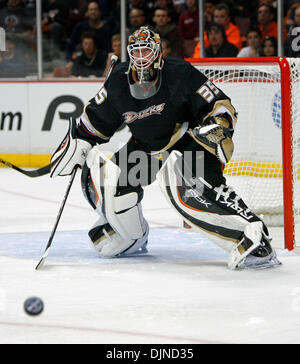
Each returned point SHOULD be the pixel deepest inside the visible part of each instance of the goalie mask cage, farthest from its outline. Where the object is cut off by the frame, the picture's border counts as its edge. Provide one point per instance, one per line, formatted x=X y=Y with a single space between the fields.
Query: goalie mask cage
x=265 y=167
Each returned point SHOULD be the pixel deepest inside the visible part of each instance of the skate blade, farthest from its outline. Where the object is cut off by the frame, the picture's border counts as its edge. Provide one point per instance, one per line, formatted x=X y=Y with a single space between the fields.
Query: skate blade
x=254 y=263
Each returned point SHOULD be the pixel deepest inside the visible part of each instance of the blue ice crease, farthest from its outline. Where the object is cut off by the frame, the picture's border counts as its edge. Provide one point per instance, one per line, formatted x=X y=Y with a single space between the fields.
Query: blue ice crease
x=165 y=245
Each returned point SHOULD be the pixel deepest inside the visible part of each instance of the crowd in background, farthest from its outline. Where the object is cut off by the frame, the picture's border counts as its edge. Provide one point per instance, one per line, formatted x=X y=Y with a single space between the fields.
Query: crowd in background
x=80 y=36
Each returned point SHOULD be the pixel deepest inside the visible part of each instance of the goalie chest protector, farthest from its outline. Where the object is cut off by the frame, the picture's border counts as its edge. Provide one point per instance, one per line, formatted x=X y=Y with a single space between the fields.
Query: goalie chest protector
x=155 y=120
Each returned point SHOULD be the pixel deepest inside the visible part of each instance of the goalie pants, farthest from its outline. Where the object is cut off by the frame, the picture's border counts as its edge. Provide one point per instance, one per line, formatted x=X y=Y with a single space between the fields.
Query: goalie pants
x=225 y=216
x=126 y=159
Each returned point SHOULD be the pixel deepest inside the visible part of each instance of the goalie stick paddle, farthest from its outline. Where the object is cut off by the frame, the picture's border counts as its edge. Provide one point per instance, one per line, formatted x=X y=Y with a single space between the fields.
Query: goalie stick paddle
x=42 y=261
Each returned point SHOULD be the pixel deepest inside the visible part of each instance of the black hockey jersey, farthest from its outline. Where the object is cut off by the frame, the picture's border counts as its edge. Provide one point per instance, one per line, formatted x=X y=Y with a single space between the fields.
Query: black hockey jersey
x=184 y=99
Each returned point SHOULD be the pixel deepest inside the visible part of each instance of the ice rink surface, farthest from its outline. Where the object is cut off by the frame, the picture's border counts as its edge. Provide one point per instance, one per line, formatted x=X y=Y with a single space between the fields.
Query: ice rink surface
x=180 y=292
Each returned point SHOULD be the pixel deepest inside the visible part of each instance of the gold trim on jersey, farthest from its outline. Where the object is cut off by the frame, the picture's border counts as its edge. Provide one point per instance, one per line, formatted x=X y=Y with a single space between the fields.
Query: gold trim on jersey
x=225 y=104
x=95 y=131
x=177 y=135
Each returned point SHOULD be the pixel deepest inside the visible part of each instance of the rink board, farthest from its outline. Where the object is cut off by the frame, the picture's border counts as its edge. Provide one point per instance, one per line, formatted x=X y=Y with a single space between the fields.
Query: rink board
x=34 y=117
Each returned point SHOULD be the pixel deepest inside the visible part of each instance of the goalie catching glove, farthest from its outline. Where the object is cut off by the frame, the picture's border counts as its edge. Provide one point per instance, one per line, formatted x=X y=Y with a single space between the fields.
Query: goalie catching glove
x=71 y=153
x=215 y=135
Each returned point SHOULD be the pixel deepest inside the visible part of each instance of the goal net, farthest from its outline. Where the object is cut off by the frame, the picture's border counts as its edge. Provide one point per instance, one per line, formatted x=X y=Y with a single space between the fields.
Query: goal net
x=265 y=168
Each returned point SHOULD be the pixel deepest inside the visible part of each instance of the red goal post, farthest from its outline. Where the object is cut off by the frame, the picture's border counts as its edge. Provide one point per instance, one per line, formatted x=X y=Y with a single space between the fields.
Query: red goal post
x=255 y=72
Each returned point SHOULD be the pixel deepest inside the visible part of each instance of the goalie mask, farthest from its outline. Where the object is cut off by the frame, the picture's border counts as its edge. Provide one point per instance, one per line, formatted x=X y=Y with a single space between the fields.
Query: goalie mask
x=144 y=73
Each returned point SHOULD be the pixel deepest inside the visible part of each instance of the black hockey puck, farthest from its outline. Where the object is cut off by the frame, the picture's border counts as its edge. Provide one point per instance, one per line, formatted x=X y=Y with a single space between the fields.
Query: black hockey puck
x=33 y=306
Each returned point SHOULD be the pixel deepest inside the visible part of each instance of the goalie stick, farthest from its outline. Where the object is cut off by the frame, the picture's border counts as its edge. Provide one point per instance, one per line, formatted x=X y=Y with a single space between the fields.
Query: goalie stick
x=42 y=261
x=35 y=173
x=114 y=59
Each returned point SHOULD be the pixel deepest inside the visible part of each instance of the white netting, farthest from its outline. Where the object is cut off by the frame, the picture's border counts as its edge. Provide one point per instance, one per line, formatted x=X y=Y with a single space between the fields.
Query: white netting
x=256 y=167
x=295 y=73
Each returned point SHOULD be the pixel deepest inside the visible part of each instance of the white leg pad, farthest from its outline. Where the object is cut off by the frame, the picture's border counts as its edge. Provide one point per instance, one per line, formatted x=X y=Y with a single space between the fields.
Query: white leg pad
x=216 y=212
x=253 y=232
x=129 y=230
x=198 y=216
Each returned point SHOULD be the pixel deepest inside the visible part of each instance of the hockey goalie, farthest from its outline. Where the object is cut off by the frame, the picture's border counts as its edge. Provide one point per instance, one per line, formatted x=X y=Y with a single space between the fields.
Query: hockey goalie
x=173 y=111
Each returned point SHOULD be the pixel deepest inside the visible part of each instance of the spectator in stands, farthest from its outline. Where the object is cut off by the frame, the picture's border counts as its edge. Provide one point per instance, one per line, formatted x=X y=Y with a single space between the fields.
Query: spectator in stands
x=13 y=62
x=297 y=17
x=167 y=31
x=56 y=17
x=92 y=61
x=269 y=47
x=290 y=16
x=138 y=4
x=219 y=46
x=166 y=48
x=188 y=27
x=30 y=7
x=82 y=6
x=161 y=4
x=269 y=2
x=292 y=44
x=77 y=13
x=265 y=19
x=167 y=5
x=136 y=20
x=179 y=7
x=95 y=23
x=104 y=5
x=18 y=23
x=222 y=17
x=15 y=19
x=209 y=9
x=116 y=47
x=254 y=42
x=150 y=6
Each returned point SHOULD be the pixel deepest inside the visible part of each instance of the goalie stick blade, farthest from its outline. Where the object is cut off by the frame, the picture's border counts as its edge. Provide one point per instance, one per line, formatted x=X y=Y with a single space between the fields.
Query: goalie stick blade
x=42 y=261
x=35 y=173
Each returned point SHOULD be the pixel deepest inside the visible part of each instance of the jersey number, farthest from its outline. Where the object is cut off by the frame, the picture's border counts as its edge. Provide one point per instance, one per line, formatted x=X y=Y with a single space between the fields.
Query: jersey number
x=101 y=96
x=208 y=91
